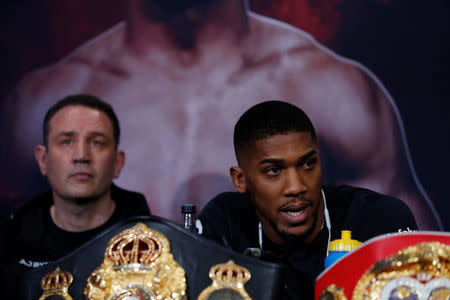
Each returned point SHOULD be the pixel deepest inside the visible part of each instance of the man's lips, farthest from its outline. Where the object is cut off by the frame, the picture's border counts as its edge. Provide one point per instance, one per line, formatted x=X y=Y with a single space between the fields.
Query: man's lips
x=295 y=206
x=81 y=175
x=295 y=212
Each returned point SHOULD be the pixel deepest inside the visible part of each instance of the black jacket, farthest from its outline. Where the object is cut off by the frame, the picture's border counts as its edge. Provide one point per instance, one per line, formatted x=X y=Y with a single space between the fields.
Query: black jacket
x=230 y=219
x=31 y=239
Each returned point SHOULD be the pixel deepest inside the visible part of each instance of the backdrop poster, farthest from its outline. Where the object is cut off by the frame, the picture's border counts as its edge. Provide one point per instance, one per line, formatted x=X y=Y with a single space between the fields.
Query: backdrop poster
x=378 y=98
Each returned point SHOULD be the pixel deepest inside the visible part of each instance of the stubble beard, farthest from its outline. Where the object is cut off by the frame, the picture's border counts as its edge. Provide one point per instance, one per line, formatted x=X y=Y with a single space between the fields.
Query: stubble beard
x=291 y=237
x=82 y=201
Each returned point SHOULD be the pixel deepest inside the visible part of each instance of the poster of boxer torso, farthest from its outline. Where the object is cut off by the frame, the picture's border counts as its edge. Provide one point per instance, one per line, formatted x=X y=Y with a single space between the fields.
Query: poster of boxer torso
x=370 y=74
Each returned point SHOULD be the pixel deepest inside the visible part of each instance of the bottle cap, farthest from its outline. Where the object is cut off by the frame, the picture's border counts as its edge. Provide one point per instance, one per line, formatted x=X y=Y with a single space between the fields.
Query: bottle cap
x=345 y=243
x=188 y=209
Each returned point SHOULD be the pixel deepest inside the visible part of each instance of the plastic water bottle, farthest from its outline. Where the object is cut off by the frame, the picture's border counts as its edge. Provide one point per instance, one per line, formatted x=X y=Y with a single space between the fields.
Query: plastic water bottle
x=188 y=217
x=340 y=247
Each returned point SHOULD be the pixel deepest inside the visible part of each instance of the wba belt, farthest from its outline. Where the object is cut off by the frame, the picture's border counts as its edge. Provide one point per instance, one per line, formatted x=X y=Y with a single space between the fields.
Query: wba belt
x=152 y=258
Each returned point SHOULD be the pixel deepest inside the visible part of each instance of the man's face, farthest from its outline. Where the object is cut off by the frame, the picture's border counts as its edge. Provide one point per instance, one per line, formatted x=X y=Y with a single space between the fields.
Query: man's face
x=283 y=176
x=80 y=160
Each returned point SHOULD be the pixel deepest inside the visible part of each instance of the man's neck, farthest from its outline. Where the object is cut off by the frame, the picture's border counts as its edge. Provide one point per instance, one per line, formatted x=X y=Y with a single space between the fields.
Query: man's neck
x=74 y=217
x=319 y=222
x=206 y=36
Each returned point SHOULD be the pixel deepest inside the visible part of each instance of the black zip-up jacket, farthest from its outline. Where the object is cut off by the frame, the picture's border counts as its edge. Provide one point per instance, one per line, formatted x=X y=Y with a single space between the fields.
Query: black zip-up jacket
x=230 y=219
x=31 y=239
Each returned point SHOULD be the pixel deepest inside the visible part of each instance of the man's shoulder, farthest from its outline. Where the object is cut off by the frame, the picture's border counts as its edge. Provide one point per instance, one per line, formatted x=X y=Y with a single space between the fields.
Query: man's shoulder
x=230 y=219
x=273 y=38
x=228 y=202
x=355 y=195
x=349 y=198
x=130 y=203
x=24 y=226
x=28 y=222
x=301 y=61
x=71 y=73
x=269 y=36
x=367 y=212
x=230 y=208
x=52 y=82
x=34 y=206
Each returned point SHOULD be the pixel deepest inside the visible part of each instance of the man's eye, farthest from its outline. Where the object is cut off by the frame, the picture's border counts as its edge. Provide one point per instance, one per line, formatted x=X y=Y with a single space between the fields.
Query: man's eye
x=96 y=143
x=272 y=171
x=309 y=163
x=66 y=142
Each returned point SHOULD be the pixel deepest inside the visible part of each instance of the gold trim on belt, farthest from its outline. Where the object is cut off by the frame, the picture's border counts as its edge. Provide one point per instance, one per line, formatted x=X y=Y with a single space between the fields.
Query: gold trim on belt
x=138 y=264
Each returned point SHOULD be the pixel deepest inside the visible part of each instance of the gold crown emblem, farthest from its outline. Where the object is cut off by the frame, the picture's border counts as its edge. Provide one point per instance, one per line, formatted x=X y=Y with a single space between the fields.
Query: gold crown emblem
x=138 y=264
x=56 y=280
x=229 y=274
x=228 y=281
x=135 y=247
x=56 y=283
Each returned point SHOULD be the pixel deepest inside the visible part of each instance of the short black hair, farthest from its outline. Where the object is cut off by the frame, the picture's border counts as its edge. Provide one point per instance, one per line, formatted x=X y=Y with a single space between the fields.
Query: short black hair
x=269 y=118
x=87 y=101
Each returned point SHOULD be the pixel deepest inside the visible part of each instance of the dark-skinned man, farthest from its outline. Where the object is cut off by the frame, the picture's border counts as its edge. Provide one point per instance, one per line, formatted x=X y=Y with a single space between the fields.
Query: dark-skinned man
x=281 y=209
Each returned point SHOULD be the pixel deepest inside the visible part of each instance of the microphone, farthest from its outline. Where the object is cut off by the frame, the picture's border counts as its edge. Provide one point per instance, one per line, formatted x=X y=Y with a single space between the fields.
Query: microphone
x=254 y=252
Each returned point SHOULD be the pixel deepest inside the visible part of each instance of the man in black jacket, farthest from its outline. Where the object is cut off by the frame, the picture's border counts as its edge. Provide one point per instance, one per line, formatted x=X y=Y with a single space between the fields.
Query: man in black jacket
x=80 y=159
x=282 y=212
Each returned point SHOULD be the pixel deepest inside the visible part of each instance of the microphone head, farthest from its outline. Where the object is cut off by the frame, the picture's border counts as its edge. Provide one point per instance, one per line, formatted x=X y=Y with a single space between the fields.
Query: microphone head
x=254 y=252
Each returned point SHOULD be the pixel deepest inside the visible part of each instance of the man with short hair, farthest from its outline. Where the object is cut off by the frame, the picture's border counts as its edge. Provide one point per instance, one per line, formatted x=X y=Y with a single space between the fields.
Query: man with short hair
x=80 y=158
x=282 y=211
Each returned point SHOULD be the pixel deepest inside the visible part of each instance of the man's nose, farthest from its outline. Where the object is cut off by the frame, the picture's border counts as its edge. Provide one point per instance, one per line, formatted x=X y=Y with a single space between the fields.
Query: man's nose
x=81 y=153
x=295 y=184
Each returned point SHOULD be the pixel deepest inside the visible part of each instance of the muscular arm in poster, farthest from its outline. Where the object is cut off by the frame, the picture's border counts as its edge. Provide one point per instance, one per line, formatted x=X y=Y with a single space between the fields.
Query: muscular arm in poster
x=359 y=133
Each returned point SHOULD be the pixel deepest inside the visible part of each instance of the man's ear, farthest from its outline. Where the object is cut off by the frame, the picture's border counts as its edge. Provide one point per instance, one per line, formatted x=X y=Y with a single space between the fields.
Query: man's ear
x=40 y=153
x=118 y=164
x=238 y=177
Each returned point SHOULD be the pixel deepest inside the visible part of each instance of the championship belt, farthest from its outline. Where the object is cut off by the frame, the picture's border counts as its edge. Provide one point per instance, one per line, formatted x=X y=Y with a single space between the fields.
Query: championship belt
x=393 y=267
x=152 y=258
x=138 y=264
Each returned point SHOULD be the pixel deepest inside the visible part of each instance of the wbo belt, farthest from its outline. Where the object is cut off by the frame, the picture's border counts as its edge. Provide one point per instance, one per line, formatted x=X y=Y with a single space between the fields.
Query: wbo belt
x=152 y=258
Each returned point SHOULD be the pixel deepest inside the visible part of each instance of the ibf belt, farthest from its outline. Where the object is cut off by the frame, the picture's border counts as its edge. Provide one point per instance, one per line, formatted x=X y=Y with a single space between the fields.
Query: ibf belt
x=420 y=271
